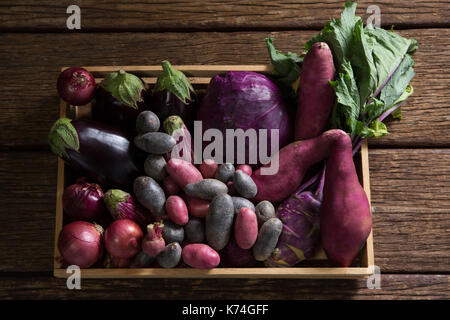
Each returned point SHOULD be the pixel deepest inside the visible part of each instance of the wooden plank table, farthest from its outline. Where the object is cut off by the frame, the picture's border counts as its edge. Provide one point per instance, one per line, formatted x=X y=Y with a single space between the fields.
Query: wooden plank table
x=410 y=171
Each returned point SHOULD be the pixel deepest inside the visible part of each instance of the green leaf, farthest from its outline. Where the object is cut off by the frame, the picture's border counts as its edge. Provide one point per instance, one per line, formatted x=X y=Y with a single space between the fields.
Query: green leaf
x=363 y=63
x=124 y=87
x=389 y=49
x=63 y=136
x=374 y=110
x=375 y=129
x=398 y=83
x=408 y=91
x=397 y=114
x=378 y=128
x=347 y=96
x=174 y=81
x=286 y=69
x=338 y=34
x=413 y=46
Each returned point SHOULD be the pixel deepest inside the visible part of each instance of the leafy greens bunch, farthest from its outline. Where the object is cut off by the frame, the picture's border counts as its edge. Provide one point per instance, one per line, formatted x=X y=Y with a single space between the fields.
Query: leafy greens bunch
x=374 y=69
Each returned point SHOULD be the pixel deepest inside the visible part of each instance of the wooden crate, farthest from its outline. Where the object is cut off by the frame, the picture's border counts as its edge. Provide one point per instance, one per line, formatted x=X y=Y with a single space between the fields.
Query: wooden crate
x=200 y=77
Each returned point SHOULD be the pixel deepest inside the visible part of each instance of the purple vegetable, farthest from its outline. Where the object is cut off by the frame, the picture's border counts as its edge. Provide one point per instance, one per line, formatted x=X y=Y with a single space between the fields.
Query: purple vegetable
x=153 y=243
x=122 y=205
x=76 y=86
x=300 y=237
x=234 y=257
x=175 y=127
x=172 y=95
x=99 y=150
x=84 y=201
x=142 y=260
x=245 y=100
x=120 y=98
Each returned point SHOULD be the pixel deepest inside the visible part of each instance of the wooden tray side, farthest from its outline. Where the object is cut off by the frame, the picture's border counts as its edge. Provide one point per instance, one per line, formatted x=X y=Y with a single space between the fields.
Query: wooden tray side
x=368 y=258
x=199 y=75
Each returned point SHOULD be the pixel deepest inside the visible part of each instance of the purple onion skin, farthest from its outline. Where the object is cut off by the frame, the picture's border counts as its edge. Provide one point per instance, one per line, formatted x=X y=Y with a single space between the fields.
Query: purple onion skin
x=300 y=237
x=80 y=243
x=131 y=209
x=84 y=201
x=76 y=86
x=106 y=154
x=109 y=109
x=164 y=104
x=245 y=100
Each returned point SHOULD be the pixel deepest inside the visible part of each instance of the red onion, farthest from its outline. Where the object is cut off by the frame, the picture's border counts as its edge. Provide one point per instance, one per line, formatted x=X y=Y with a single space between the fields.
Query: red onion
x=80 y=243
x=76 y=86
x=123 y=238
x=122 y=205
x=84 y=201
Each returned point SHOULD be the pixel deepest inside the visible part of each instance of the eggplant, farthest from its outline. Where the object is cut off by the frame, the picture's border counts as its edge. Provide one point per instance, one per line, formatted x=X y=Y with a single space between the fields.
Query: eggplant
x=101 y=151
x=165 y=104
x=172 y=96
x=184 y=148
x=119 y=99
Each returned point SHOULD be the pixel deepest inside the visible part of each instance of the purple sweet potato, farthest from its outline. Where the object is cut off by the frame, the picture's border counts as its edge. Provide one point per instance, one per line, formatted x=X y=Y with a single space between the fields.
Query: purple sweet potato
x=316 y=95
x=200 y=256
x=345 y=221
x=293 y=162
x=246 y=228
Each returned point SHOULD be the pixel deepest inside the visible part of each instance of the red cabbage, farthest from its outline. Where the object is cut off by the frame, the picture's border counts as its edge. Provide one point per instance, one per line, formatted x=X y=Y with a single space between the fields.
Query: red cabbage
x=245 y=100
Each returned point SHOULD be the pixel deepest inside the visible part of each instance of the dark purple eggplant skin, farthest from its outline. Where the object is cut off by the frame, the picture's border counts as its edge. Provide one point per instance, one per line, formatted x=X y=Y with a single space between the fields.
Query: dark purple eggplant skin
x=164 y=104
x=108 y=109
x=106 y=154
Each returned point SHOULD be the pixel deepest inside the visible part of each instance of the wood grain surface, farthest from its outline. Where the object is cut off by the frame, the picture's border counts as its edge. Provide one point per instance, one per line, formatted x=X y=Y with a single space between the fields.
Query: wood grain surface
x=31 y=64
x=151 y=15
x=392 y=287
x=411 y=215
x=409 y=169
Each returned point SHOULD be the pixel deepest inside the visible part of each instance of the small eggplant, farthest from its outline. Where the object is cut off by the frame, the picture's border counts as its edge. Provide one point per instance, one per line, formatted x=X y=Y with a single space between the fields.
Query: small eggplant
x=172 y=95
x=120 y=98
x=99 y=150
x=122 y=205
x=175 y=127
